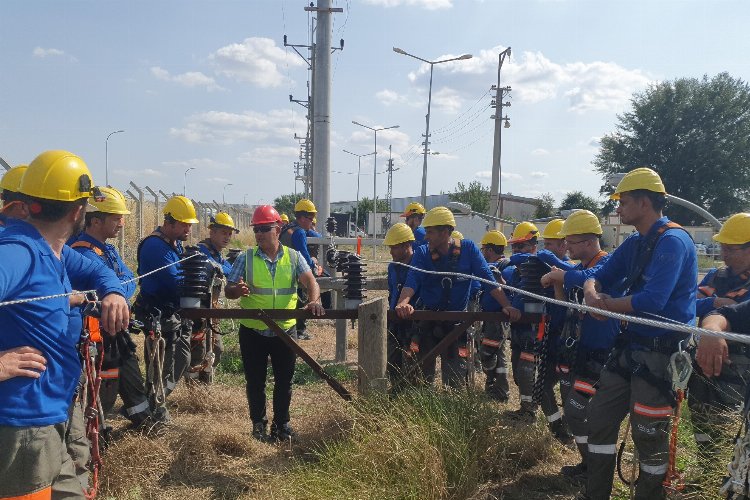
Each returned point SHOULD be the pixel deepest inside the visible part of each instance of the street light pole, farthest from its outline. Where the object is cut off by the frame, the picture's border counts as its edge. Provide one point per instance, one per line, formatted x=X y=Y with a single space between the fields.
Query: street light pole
x=223 y=194
x=106 y=155
x=429 y=106
x=184 y=181
x=359 y=170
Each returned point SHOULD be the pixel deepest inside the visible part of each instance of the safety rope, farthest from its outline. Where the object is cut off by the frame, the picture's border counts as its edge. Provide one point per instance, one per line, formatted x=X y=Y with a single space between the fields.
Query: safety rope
x=92 y=369
x=542 y=350
x=681 y=367
x=667 y=324
x=736 y=485
x=155 y=346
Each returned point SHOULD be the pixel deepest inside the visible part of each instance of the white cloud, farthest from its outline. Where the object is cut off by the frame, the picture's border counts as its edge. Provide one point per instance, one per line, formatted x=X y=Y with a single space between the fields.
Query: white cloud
x=198 y=163
x=189 y=79
x=388 y=97
x=43 y=53
x=134 y=174
x=595 y=142
x=221 y=127
x=218 y=179
x=399 y=140
x=539 y=152
x=256 y=60
x=448 y=100
x=426 y=4
x=487 y=174
x=269 y=155
x=538 y=174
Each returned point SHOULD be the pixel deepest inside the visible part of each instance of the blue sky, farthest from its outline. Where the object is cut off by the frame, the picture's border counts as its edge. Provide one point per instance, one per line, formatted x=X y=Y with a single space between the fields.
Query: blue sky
x=205 y=84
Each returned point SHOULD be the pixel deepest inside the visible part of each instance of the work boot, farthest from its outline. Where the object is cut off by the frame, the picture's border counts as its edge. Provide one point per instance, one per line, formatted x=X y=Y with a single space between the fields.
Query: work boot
x=303 y=335
x=259 y=432
x=161 y=415
x=559 y=432
x=282 y=432
x=576 y=473
x=523 y=416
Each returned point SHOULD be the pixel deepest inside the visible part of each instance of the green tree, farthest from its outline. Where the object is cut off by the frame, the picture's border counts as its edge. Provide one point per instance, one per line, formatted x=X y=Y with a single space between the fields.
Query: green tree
x=576 y=199
x=546 y=206
x=365 y=207
x=476 y=195
x=696 y=134
x=284 y=204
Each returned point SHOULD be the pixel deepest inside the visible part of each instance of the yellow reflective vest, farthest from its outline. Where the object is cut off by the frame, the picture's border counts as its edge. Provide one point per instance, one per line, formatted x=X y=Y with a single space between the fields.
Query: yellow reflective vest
x=270 y=292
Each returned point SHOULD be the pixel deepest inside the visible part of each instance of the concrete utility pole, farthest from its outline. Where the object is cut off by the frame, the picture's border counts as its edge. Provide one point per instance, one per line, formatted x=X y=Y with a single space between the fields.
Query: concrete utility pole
x=321 y=182
x=389 y=193
x=496 y=202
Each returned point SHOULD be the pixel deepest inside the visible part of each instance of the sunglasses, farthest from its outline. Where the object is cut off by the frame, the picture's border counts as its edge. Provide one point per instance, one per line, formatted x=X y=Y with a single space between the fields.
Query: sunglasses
x=262 y=229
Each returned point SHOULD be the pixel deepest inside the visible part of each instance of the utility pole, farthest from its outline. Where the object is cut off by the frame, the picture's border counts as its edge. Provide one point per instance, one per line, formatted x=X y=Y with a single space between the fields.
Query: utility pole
x=496 y=201
x=389 y=194
x=303 y=169
x=321 y=112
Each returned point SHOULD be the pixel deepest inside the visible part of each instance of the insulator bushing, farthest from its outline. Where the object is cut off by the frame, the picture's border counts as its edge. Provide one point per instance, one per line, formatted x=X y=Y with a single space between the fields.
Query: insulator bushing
x=195 y=277
x=353 y=270
x=531 y=277
x=331 y=225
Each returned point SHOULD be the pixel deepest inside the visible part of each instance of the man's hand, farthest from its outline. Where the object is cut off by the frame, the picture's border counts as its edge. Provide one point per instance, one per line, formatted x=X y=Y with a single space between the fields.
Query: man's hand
x=76 y=300
x=21 y=362
x=723 y=301
x=316 y=308
x=236 y=290
x=404 y=310
x=712 y=354
x=556 y=275
x=598 y=300
x=513 y=313
x=115 y=314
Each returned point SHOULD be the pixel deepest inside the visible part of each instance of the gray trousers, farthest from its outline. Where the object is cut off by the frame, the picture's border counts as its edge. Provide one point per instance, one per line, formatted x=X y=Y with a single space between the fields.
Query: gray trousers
x=452 y=365
x=650 y=409
x=198 y=348
x=127 y=381
x=523 y=361
x=76 y=442
x=494 y=359
x=176 y=334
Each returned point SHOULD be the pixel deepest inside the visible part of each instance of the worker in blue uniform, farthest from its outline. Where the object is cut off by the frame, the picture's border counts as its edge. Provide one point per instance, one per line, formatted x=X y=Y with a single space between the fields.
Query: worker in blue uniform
x=413 y=216
x=13 y=205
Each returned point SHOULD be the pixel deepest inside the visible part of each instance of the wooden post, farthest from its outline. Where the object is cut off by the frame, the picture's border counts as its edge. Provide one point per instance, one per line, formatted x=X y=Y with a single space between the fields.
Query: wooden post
x=372 y=349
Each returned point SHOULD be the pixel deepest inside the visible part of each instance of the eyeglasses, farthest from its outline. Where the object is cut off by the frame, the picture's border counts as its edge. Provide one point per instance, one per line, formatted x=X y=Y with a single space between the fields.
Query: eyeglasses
x=262 y=229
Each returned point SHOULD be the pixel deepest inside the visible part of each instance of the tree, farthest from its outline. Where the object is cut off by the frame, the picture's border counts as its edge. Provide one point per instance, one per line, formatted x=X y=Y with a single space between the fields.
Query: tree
x=476 y=195
x=695 y=134
x=284 y=204
x=546 y=206
x=365 y=207
x=576 y=199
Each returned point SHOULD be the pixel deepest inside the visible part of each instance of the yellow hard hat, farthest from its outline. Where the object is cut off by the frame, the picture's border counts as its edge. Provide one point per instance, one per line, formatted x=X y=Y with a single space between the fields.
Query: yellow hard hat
x=315 y=220
x=414 y=208
x=439 y=216
x=58 y=175
x=285 y=218
x=735 y=231
x=223 y=219
x=552 y=230
x=494 y=237
x=524 y=232
x=581 y=222
x=181 y=209
x=11 y=181
x=640 y=178
x=457 y=235
x=305 y=205
x=398 y=233
x=113 y=203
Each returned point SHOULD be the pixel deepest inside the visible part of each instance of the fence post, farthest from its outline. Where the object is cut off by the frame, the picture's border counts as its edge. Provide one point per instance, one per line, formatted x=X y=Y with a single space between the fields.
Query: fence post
x=156 y=203
x=166 y=198
x=140 y=209
x=371 y=345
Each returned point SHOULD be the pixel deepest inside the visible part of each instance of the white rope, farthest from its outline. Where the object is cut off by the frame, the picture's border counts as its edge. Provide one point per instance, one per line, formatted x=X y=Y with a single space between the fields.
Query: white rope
x=670 y=324
x=84 y=292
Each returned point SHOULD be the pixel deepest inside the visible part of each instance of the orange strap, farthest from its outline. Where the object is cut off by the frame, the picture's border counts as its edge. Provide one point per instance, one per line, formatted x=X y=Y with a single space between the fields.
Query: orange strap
x=674 y=480
x=94 y=329
x=87 y=244
x=542 y=327
x=45 y=494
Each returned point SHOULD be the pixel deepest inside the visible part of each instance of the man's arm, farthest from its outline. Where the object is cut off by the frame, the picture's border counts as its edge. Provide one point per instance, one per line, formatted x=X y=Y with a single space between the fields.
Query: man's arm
x=313 y=292
x=403 y=308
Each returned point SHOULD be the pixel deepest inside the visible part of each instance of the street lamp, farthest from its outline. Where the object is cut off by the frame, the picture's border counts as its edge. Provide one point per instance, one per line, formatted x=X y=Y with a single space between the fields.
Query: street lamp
x=106 y=155
x=224 y=192
x=359 y=167
x=184 y=181
x=374 y=178
x=429 y=105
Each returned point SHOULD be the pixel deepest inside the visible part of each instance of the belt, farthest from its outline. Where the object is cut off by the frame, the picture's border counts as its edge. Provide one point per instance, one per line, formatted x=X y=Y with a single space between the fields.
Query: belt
x=665 y=344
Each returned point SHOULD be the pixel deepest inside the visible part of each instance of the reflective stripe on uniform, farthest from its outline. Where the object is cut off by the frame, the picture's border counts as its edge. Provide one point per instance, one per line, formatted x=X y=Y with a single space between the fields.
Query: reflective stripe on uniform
x=527 y=356
x=563 y=369
x=141 y=407
x=581 y=439
x=109 y=374
x=602 y=449
x=554 y=417
x=653 y=412
x=584 y=387
x=526 y=399
x=501 y=369
x=654 y=470
x=490 y=342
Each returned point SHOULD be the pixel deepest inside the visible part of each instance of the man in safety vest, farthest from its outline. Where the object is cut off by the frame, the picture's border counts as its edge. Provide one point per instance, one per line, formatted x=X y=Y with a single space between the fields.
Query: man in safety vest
x=294 y=235
x=585 y=342
x=13 y=206
x=39 y=361
x=655 y=269
x=158 y=302
x=414 y=215
x=712 y=400
x=267 y=277
x=120 y=370
x=220 y=233
x=446 y=293
x=398 y=239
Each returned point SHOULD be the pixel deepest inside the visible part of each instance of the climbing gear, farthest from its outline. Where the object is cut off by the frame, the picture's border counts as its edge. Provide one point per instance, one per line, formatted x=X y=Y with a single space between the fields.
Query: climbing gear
x=494 y=237
x=223 y=219
x=634 y=468
x=59 y=176
x=737 y=483
x=640 y=178
x=11 y=180
x=305 y=205
x=525 y=231
x=398 y=233
x=541 y=350
x=413 y=208
x=735 y=231
x=681 y=367
x=155 y=346
x=581 y=222
x=552 y=230
x=113 y=202
x=180 y=209
x=439 y=216
x=266 y=214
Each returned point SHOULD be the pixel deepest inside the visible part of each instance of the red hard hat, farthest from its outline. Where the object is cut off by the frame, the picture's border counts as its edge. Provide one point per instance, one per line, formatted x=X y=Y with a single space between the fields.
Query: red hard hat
x=265 y=214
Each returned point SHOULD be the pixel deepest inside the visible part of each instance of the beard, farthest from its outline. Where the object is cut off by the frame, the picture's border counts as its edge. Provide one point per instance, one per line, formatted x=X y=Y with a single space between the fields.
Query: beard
x=79 y=224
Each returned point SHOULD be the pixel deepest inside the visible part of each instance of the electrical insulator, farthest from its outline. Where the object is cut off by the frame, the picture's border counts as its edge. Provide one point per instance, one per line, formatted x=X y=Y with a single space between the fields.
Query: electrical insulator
x=353 y=270
x=531 y=281
x=195 y=278
x=331 y=225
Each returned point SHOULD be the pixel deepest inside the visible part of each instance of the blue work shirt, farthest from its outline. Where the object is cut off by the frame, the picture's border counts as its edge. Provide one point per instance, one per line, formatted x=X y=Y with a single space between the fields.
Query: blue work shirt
x=668 y=285
x=732 y=283
x=210 y=250
x=419 y=240
x=470 y=261
x=42 y=324
x=111 y=259
x=595 y=335
x=487 y=302
x=160 y=287
x=396 y=279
